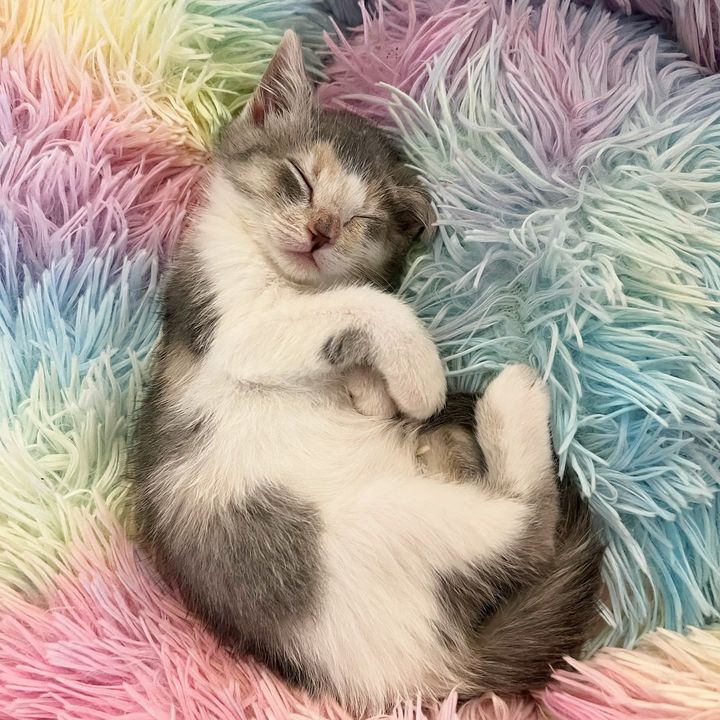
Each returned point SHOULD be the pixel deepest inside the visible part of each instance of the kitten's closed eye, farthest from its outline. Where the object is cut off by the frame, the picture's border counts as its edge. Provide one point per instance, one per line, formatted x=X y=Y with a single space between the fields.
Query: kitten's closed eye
x=298 y=171
x=310 y=191
x=309 y=187
x=369 y=218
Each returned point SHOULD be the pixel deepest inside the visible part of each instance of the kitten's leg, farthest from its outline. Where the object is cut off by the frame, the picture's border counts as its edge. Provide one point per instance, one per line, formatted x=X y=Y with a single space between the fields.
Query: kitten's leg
x=369 y=393
x=520 y=613
x=512 y=423
x=502 y=436
x=314 y=335
x=502 y=441
x=513 y=428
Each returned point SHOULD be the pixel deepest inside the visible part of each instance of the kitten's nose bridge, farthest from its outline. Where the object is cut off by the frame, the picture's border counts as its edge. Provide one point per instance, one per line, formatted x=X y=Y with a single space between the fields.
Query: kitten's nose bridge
x=324 y=226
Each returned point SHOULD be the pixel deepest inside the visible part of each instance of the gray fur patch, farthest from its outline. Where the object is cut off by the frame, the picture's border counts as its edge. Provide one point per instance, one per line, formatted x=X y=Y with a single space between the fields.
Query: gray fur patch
x=161 y=433
x=250 y=570
x=459 y=410
x=453 y=452
x=518 y=618
x=289 y=187
x=471 y=597
x=189 y=313
x=451 y=440
x=349 y=348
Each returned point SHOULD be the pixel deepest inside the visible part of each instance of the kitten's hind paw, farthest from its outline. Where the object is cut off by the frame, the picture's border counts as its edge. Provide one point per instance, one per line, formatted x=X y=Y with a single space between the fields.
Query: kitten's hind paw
x=513 y=428
x=518 y=397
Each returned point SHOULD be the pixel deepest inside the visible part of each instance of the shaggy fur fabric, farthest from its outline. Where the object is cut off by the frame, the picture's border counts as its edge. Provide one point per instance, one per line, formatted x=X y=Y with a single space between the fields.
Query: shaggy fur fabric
x=573 y=156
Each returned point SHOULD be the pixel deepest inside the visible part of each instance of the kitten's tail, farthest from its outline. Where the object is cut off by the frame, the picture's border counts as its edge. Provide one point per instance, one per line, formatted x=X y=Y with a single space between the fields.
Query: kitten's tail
x=526 y=639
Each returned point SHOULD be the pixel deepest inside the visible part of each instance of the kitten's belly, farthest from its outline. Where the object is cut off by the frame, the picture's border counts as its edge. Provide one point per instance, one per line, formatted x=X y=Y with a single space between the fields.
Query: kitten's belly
x=313 y=447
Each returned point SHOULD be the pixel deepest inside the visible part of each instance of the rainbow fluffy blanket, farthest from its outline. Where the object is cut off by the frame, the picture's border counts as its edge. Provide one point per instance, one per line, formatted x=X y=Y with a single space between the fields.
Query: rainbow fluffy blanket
x=574 y=159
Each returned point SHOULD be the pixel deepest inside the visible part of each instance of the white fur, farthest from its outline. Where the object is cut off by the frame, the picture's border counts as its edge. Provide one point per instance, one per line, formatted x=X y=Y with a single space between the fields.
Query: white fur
x=282 y=413
x=512 y=419
x=369 y=394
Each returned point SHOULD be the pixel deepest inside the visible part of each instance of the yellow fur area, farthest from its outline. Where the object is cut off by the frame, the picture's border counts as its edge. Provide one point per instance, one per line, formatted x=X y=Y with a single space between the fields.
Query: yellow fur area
x=190 y=63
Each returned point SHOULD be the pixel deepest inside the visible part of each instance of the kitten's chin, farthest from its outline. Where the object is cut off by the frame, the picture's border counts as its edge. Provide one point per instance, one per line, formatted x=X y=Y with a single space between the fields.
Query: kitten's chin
x=301 y=267
x=304 y=260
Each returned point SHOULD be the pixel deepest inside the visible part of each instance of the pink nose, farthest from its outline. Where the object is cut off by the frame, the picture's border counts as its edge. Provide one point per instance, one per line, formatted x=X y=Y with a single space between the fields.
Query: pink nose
x=324 y=229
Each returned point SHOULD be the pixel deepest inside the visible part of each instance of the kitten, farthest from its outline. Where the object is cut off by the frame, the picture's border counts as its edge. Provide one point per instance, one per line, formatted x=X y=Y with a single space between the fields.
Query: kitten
x=299 y=474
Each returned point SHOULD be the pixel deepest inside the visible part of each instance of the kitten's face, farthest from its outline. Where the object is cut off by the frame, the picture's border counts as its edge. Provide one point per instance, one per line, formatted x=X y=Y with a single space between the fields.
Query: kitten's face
x=327 y=196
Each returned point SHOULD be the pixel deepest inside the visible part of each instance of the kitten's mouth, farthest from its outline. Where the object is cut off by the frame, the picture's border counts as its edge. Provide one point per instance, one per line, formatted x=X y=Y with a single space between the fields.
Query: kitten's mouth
x=305 y=258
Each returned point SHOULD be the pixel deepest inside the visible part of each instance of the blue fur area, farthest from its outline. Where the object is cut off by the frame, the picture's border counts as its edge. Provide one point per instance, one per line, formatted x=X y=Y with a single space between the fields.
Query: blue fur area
x=590 y=250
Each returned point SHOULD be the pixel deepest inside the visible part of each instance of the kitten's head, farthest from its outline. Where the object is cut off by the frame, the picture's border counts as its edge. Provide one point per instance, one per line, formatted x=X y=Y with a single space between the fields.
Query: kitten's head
x=327 y=196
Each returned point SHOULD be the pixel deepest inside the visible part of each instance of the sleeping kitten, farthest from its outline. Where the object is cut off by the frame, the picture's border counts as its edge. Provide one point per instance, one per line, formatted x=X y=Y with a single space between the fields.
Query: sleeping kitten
x=299 y=474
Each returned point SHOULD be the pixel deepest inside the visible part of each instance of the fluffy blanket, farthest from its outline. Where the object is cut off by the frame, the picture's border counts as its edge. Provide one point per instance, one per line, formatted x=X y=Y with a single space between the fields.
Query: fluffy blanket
x=574 y=159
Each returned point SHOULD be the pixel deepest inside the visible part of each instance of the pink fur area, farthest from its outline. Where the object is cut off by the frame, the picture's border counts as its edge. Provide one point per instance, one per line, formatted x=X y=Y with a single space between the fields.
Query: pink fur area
x=540 y=76
x=78 y=173
x=695 y=24
x=668 y=676
x=111 y=642
x=555 y=81
x=395 y=46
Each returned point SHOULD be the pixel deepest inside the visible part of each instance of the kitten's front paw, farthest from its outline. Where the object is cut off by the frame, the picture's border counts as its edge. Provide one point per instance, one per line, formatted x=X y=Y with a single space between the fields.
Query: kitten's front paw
x=417 y=382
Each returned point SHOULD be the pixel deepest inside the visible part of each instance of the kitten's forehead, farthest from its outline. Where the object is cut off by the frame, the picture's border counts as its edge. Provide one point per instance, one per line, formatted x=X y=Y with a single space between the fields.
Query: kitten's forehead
x=359 y=145
x=338 y=184
x=325 y=159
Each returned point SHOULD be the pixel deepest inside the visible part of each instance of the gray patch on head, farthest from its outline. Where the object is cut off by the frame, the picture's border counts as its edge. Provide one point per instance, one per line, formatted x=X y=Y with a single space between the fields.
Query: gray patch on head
x=348 y=348
x=360 y=145
x=288 y=186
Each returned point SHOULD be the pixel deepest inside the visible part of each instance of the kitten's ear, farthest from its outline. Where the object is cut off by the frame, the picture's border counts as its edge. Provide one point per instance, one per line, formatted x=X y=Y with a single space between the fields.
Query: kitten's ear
x=284 y=88
x=414 y=214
